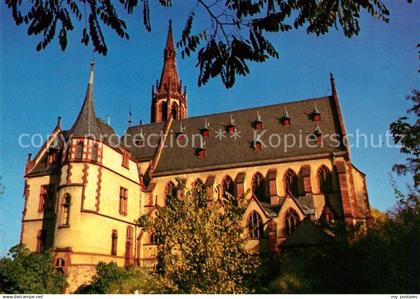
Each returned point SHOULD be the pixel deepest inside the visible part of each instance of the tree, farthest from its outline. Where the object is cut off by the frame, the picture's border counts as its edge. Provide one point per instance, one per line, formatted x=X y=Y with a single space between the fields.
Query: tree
x=234 y=34
x=111 y=279
x=407 y=134
x=201 y=246
x=382 y=260
x=23 y=272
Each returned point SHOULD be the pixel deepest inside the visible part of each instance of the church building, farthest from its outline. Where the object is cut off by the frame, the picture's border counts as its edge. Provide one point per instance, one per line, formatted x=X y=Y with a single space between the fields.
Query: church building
x=86 y=186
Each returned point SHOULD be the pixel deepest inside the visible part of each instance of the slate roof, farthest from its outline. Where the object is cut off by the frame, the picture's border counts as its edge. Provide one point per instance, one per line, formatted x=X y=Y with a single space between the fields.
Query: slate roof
x=85 y=125
x=86 y=122
x=306 y=203
x=271 y=210
x=307 y=233
x=42 y=167
x=143 y=153
x=227 y=152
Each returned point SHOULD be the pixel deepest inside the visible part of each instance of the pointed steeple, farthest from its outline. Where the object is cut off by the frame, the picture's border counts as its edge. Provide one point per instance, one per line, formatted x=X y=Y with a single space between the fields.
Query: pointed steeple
x=86 y=124
x=168 y=97
x=169 y=52
x=169 y=80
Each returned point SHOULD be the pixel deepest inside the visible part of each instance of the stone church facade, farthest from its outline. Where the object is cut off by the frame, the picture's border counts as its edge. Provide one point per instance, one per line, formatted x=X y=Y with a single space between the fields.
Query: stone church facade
x=86 y=186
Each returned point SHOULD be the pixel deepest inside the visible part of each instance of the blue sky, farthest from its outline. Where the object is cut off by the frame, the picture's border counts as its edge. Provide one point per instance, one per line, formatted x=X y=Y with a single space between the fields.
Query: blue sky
x=374 y=72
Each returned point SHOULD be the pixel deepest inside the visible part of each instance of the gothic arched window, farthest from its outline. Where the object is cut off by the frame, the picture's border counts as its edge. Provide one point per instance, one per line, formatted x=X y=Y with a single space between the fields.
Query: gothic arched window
x=153 y=239
x=228 y=186
x=170 y=190
x=79 y=150
x=291 y=220
x=40 y=245
x=114 y=242
x=198 y=190
x=259 y=186
x=291 y=182
x=198 y=183
x=324 y=179
x=174 y=110
x=94 y=154
x=129 y=233
x=163 y=110
x=65 y=214
x=255 y=226
x=60 y=264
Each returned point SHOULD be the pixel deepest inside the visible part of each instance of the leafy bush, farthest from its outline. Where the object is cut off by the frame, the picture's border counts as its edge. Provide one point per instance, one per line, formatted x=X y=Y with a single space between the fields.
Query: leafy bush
x=23 y=272
x=112 y=279
x=382 y=260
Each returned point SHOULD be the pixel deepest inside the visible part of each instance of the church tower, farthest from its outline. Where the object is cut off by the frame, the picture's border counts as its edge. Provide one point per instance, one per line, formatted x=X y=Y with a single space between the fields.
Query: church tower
x=168 y=98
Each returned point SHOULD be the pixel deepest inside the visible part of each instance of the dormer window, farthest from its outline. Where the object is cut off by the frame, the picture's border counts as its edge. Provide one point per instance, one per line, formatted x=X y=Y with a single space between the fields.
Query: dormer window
x=180 y=135
x=258 y=124
x=257 y=146
x=139 y=140
x=52 y=157
x=201 y=150
x=285 y=119
x=205 y=132
x=316 y=115
x=318 y=135
x=231 y=128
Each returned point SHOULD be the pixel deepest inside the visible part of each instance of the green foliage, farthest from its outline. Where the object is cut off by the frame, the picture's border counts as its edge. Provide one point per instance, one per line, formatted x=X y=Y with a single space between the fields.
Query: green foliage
x=288 y=284
x=383 y=259
x=234 y=33
x=23 y=272
x=406 y=133
x=111 y=279
x=201 y=248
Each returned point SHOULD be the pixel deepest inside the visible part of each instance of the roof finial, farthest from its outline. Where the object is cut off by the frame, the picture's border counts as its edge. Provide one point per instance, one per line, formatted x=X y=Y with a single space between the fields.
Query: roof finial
x=92 y=67
x=170 y=48
x=130 y=115
x=317 y=130
x=333 y=90
x=258 y=116
x=286 y=113
x=206 y=124
x=181 y=127
x=316 y=111
x=58 y=122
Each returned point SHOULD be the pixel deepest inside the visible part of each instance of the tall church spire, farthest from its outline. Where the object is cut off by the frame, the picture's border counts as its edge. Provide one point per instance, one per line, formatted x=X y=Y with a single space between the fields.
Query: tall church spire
x=86 y=123
x=168 y=97
x=169 y=52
